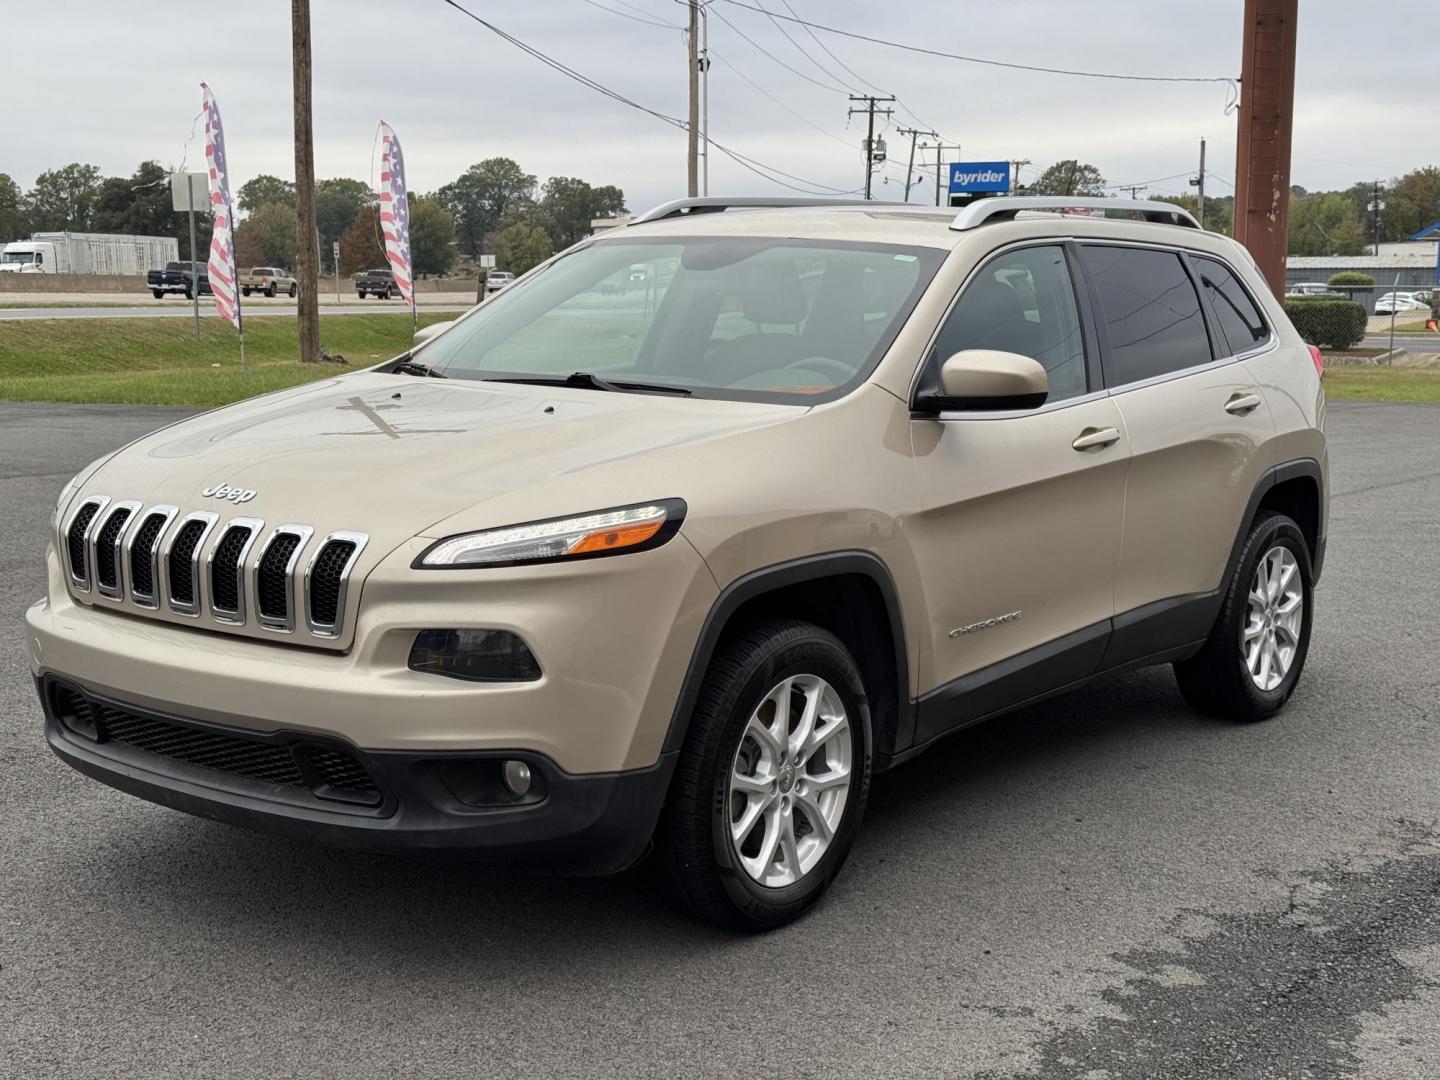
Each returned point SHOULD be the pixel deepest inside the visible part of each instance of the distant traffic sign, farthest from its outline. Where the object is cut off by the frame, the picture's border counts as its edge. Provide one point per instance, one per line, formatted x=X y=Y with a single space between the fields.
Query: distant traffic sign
x=967 y=177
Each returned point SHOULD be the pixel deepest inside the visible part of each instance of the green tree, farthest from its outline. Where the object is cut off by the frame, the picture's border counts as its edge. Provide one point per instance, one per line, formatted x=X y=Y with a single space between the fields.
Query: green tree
x=1325 y=223
x=520 y=247
x=64 y=199
x=432 y=237
x=265 y=188
x=1412 y=203
x=337 y=202
x=1219 y=213
x=140 y=205
x=361 y=247
x=482 y=196
x=1069 y=177
x=568 y=205
x=270 y=233
x=13 y=223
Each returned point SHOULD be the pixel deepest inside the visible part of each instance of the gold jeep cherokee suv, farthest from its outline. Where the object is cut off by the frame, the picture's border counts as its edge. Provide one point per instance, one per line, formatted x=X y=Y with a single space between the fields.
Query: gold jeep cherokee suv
x=684 y=536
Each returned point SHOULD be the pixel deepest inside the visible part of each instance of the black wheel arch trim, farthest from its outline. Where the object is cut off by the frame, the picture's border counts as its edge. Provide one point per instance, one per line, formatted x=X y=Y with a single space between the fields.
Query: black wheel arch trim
x=781 y=575
x=1298 y=469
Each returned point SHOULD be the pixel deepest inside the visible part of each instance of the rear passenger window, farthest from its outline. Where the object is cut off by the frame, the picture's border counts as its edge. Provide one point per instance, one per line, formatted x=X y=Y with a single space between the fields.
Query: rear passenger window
x=1151 y=309
x=1240 y=320
x=1022 y=302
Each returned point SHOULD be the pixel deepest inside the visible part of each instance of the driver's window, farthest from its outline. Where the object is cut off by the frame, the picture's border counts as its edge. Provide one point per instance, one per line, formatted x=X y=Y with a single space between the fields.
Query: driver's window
x=1022 y=302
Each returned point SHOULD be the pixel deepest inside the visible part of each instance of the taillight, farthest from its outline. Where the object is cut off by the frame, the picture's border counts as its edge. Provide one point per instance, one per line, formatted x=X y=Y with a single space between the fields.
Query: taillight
x=1319 y=360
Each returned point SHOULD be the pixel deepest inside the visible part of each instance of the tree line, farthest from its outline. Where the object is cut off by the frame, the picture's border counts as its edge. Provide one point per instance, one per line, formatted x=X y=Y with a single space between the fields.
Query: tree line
x=1320 y=222
x=494 y=207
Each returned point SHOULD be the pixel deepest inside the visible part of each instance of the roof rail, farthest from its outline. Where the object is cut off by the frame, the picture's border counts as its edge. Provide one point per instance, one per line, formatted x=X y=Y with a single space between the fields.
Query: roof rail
x=710 y=204
x=1004 y=208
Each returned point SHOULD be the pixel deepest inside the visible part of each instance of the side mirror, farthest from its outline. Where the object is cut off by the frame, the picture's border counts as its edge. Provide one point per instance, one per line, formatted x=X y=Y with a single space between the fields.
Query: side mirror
x=425 y=333
x=987 y=379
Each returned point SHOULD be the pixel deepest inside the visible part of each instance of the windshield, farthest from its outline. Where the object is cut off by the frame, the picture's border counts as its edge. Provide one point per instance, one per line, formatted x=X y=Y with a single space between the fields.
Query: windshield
x=748 y=318
x=13 y=257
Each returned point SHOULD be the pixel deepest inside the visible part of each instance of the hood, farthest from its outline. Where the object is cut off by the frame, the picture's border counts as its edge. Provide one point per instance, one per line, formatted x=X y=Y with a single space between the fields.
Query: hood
x=392 y=456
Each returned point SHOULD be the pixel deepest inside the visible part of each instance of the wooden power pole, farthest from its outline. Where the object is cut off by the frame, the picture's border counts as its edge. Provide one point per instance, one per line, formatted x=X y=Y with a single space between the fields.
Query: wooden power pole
x=307 y=256
x=692 y=133
x=1262 y=143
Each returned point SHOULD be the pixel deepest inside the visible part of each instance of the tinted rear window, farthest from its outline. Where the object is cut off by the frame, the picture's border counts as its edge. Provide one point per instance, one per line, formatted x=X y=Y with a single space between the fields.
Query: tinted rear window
x=1151 y=310
x=1240 y=320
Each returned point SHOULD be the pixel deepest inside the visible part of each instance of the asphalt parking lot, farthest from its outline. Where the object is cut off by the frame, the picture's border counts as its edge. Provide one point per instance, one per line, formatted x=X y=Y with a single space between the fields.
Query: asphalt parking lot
x=1104 y=887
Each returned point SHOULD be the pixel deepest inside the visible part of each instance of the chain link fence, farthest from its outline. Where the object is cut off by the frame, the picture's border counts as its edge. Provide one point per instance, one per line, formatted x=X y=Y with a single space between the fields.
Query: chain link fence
x=1338 y=314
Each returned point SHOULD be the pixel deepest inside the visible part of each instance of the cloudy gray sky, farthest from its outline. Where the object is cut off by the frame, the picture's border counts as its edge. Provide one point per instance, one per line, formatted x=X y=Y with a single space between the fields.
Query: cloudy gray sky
x=113 y=84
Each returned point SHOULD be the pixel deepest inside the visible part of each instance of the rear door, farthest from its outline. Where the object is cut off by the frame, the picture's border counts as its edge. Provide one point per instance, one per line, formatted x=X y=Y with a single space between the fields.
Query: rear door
x=1019 y=535
x=1197 y=423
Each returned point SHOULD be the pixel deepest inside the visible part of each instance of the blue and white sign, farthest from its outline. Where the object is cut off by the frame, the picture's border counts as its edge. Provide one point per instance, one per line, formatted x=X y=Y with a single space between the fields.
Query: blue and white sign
x=967 y=177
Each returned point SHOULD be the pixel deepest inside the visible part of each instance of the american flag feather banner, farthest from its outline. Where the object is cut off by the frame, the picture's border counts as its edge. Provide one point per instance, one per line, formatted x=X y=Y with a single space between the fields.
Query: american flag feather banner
x=395 y=213
x=221 y=264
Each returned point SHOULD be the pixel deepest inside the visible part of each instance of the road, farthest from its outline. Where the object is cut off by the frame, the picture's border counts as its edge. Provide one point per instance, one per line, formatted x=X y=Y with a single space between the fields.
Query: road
x=1104 y=886
x=207 y=310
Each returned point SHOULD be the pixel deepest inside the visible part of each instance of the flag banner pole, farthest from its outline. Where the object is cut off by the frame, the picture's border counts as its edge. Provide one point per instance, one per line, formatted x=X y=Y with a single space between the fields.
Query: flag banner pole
x=395 y=218
x=221 y=265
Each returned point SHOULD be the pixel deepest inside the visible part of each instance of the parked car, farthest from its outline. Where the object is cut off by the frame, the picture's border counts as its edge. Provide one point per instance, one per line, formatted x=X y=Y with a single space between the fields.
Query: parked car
x=686 y=583
x=268 y=280
x=177 y=278
x=1396 y=302
x=497 y=280
x=377 y=283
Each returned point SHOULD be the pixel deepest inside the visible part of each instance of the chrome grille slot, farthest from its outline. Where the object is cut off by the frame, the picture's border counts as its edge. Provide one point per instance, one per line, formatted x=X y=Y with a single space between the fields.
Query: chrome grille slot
x=77 y=537
x=182 y=561
x=142 y=555
x=105 y=550
x=226 y=569
x=274 y=574
x=327 y=580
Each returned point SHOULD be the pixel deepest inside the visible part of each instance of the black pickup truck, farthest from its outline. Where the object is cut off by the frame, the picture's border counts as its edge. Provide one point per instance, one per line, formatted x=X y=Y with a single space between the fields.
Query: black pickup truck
x=377 y=283
x=176 y=278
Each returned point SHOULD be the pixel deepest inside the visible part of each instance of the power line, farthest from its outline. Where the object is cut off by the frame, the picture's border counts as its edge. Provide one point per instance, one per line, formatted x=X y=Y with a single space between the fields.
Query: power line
x=759 y=168
x=635 y=18
x=983 y=60
x=772 y=56
x=801 y=49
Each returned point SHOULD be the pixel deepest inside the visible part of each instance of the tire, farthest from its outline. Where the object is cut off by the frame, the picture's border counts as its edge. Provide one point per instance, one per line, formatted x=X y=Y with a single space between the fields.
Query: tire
x=189 y=295
x=1219 y=680
x=270 y=292
x=361 y=293
x=292 y=292
x=706 y=872
x=386 y=296
x=244 y=291
x=159 y=294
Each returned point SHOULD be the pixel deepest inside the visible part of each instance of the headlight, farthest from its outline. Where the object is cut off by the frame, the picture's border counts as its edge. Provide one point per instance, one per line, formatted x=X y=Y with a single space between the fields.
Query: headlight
x=606 y=532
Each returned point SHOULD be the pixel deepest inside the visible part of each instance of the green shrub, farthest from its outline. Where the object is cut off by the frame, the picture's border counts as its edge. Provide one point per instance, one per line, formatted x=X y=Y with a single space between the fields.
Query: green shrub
x=1327 y=322
x=1352 y=278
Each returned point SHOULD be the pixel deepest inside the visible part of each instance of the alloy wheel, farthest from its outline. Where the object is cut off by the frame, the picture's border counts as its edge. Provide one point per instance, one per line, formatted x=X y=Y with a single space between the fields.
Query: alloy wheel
x=1270 y=638
x=789 y=781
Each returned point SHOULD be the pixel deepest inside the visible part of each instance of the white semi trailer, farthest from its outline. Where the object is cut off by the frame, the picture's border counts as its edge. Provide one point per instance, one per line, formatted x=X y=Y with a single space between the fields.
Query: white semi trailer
x=88 y=253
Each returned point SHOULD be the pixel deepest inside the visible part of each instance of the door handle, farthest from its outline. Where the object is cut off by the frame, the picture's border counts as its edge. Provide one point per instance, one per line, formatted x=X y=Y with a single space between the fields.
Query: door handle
x=1242 y=403
x=1096 y=438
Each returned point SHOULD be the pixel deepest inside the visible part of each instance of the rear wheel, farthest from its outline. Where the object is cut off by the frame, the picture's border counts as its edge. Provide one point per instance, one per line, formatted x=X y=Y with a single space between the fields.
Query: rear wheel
x=270 y=292
x=1252 y=660
x=292 y=291
x=772 y=780
x=159 y=294
x=360 y=293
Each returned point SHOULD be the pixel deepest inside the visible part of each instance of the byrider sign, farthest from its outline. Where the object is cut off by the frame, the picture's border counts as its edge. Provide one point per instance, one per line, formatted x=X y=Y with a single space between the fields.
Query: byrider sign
x=968 y=177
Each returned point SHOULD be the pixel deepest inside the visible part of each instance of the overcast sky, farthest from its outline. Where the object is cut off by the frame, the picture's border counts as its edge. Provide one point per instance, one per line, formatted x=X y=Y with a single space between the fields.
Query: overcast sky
x=112 y=84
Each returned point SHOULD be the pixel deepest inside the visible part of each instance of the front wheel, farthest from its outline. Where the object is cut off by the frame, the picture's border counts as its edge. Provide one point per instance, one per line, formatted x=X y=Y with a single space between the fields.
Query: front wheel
x=1252 y=660
x=292 y=292
x=772 y=781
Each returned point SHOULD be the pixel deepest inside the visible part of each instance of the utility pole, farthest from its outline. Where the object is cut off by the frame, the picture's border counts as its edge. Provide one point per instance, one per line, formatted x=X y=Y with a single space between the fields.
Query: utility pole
x=705 y=97
x=910 y=169
x=1264 y=123
x=1133 y=189
x=307 y=258
x=940 y=176
x=1377 y=204
x=1198 y=183
x=692 y=129
x=1015 y=164
x=870 y=109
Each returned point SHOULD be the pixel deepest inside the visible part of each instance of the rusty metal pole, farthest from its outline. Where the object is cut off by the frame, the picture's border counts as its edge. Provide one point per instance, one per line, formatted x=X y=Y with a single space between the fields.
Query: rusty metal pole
x=1262 y=144
x=307 y=253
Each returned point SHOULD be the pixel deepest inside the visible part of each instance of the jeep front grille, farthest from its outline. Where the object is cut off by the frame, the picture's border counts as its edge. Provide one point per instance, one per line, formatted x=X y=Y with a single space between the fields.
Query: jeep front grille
x=233 y=572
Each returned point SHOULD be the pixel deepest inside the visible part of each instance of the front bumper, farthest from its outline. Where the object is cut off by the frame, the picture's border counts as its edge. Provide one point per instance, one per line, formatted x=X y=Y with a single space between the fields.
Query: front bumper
x=420 y=802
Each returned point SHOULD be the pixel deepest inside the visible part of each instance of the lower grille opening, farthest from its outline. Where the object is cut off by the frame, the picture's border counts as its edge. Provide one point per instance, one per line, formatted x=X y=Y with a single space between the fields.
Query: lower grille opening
x=225 y=569
x=326 y=580
x=327 y=772
x=107 y=564
x=182 y=564
x=75 y=540
x=142 y=551
x=272 y=586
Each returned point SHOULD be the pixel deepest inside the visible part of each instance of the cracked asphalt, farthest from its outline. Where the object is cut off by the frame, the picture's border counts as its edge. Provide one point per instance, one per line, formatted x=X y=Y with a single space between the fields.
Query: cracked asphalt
x=1103 y=887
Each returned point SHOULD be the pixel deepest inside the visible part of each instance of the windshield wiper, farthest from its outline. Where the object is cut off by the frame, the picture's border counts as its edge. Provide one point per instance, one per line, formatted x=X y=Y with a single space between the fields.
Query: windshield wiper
x=407 y=366
x=585 y=380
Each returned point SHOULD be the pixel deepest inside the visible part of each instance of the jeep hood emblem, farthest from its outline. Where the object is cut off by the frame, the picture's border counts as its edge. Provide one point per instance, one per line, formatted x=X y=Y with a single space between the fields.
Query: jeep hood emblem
x=231 y=494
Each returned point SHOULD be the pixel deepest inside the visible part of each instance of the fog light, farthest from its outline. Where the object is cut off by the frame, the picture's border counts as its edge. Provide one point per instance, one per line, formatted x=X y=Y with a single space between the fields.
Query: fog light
x=517 y=777
x=474 y=655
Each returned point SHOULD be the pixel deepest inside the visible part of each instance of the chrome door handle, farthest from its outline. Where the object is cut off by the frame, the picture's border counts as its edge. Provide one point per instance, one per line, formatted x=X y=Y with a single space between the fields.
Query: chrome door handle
x=1240 y=404
x=1096 y=438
